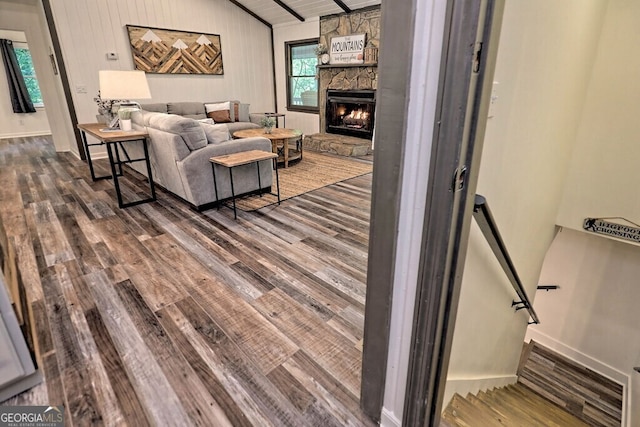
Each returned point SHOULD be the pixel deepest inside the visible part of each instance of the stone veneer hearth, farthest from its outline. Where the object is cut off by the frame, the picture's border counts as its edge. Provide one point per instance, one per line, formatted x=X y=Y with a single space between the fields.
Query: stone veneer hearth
x=337 y=144
x=351 y=77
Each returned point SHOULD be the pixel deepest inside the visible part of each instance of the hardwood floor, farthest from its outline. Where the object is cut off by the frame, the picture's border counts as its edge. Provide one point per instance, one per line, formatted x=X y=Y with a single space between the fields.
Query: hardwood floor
x=160 y=315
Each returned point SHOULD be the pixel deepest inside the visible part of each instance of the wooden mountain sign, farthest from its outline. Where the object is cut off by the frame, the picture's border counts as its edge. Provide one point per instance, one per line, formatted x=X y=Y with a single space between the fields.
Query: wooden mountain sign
x=156 y=50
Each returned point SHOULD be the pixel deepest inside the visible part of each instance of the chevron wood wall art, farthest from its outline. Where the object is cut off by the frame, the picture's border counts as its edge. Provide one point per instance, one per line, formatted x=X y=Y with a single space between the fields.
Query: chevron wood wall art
x=157 y=50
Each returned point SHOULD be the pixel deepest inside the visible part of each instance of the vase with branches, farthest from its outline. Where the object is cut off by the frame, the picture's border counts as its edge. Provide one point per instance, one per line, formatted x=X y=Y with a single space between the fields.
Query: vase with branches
x=321 y=49
x=268 y=123
x=107 y=107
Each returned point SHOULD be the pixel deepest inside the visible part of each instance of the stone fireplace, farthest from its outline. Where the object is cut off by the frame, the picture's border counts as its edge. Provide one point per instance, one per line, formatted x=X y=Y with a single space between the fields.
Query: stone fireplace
x=356 y=84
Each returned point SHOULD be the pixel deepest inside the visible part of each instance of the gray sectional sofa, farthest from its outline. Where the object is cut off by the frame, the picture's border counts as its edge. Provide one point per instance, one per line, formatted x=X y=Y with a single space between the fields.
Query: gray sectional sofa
x=180 y=147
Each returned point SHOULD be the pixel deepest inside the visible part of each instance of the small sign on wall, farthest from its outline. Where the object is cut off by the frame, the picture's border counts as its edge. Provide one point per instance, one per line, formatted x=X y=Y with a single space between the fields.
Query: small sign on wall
x=347 y=49
x=621 y=231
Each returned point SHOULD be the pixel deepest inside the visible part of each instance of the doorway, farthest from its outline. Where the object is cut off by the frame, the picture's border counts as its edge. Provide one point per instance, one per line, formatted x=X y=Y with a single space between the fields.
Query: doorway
x=459 y=110
x=27 y=124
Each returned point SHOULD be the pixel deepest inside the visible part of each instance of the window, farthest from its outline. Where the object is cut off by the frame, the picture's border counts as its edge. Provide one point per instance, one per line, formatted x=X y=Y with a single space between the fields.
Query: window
x=28 y=72
x=302 y=85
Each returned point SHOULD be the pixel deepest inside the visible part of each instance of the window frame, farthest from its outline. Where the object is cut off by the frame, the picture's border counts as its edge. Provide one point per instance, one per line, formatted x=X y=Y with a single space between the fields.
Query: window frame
x=25 y=46
x=289 y=45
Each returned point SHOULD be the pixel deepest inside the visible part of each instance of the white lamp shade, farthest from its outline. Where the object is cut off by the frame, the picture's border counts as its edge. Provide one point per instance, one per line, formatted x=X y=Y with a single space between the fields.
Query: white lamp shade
x=115 y=84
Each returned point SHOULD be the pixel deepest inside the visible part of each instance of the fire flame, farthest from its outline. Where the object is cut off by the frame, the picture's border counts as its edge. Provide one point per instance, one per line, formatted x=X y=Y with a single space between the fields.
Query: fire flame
x=358 y=115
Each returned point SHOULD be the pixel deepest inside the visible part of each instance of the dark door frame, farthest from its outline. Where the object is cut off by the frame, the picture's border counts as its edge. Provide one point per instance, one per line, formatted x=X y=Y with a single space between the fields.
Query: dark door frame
x=463 y=95
x=468 y=63
x=64 y=77
x=394 y=72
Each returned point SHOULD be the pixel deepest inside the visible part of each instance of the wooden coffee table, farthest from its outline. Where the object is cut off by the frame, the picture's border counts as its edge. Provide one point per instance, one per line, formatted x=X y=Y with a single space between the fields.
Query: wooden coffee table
x=280 y=138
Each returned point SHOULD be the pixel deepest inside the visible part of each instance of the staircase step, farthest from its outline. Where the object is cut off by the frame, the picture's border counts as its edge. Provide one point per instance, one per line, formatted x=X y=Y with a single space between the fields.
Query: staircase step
x=552 y=391
x=540 y=408
x=487 y=409
x=444 y=422
x=477 y=414
x=556 y=411
x=520 y=411
x=586 y=394
x=454 y=416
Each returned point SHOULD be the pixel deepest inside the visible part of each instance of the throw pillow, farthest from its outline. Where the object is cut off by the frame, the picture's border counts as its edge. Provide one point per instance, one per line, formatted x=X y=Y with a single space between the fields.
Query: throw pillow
x=236 y=112
x=207 y=120
x=243 y=112
x=220 y=113
x=220 y=116
x=234 y=109
x=216 y=133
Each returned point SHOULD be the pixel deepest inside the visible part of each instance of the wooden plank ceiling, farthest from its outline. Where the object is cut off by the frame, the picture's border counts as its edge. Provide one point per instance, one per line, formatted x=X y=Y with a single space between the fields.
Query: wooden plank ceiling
x=276 y=12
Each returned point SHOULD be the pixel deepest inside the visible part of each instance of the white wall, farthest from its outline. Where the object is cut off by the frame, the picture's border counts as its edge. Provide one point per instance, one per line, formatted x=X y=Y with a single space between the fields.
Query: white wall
x=594 y=315
x=308 y=123
x=544 y=60
x=88 y=30
x=604 y=171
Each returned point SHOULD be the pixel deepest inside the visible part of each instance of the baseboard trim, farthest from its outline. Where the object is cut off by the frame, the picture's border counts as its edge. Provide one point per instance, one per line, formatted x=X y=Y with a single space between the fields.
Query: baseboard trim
x=99 y=156
x=588 y=361
x=388 y=419
x=24 y=134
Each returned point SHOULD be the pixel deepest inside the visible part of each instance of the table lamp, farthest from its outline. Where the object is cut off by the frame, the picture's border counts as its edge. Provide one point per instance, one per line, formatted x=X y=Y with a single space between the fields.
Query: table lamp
x=124 y=85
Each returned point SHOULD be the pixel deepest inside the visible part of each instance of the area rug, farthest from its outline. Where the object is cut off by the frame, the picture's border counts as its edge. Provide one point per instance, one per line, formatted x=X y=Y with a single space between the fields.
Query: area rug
x=314 y=171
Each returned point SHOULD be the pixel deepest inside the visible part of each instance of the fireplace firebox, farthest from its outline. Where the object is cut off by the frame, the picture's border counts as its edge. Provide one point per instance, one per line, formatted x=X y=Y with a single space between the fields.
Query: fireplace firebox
x=350 y=112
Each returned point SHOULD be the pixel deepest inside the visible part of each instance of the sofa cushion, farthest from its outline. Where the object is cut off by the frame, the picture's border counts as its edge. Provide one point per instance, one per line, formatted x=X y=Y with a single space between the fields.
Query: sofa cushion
x=216 y=133
x=236 y=126
x=192 y=110
x=142 y=117
x=159 y=107
x=189 y=129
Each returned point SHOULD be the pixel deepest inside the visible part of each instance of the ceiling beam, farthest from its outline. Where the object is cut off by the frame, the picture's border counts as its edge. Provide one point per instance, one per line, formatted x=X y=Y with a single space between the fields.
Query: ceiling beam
x=251 y=12
x=288 y=9
x=342 y=6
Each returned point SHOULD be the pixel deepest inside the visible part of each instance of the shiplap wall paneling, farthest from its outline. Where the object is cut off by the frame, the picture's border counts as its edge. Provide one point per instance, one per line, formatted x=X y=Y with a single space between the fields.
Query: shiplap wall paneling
x=89 y=30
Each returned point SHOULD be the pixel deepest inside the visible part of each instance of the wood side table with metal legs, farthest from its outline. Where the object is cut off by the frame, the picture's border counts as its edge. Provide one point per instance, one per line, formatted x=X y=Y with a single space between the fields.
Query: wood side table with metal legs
x=114 y=144
x=231 y=161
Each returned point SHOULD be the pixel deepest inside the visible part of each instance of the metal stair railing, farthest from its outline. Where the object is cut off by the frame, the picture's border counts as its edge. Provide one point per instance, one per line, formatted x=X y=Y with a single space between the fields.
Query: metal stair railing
x=489 y=228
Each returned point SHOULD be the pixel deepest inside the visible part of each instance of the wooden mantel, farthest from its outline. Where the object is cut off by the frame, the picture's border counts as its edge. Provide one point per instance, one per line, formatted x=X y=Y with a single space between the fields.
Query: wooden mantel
x=346 y=65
